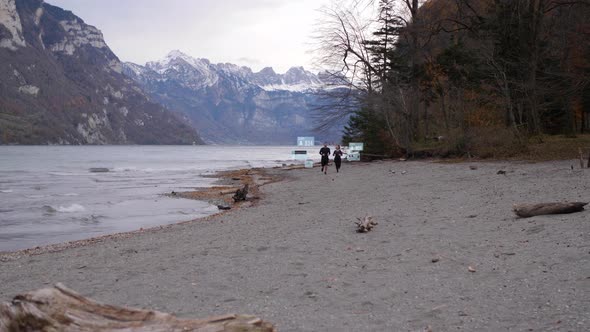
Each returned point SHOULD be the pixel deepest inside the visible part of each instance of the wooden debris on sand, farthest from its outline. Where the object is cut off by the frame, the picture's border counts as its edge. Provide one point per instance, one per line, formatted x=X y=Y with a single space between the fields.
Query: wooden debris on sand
x=530 y=210
x=241 y=194
x=365 y=224
x=228 y=191
x=62 y=309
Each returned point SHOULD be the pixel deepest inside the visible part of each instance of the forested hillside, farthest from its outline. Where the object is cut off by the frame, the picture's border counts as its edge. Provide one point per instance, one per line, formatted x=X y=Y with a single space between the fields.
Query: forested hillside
x=479 y=77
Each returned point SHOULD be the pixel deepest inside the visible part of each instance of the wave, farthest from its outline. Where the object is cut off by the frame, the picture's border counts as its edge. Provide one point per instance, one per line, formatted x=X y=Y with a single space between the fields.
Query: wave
x=65 y=209
x=71 y=208
x=125 y=169
x=62 y=174
x=93 y=219
x=6 y=191
x=35 y=196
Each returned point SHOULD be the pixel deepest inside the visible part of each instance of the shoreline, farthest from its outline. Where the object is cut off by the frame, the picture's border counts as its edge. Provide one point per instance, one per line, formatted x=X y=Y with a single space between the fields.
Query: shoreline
x=448 y=253
x=226 y=179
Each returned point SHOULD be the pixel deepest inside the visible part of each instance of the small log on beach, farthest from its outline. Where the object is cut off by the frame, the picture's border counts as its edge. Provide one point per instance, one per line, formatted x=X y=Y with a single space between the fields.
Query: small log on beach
x=62 y=309
x=365 y=224
x=241 y=194
x=228 y=191
x=530 y=210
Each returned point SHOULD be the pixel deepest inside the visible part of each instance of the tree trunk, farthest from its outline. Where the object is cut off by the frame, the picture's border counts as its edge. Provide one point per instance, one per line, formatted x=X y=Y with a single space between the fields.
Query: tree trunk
x=62 y=309
x=533 y=31
x=445 y=115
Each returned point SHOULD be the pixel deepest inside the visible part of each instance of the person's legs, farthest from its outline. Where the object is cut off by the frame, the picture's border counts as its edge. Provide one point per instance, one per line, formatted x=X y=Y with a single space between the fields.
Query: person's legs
x=325 y=164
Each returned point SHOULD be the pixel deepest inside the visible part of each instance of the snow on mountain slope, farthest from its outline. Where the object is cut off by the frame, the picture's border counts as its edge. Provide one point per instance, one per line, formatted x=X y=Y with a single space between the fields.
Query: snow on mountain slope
x=228 y=103
x=199 y=73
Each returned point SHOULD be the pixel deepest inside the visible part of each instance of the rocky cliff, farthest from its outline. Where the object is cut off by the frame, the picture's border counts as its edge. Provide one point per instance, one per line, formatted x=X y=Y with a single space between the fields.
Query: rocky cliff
x=61 y=84
x=232 y=104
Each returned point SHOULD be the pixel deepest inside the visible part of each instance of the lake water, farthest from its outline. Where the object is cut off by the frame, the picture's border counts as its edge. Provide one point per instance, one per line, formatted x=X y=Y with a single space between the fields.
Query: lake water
x=49 y=195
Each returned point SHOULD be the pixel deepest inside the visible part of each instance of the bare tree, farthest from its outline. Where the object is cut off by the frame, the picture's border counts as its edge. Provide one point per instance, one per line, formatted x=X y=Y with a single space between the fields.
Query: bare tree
x=342 y=51
x=356 y=40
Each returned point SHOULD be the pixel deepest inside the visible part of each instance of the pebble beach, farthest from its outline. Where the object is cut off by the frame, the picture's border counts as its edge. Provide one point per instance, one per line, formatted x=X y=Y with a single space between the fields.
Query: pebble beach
x=447 y=254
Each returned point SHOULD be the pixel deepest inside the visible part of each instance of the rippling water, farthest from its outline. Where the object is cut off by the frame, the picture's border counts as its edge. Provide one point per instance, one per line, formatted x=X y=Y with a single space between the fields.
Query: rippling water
x=49 y=195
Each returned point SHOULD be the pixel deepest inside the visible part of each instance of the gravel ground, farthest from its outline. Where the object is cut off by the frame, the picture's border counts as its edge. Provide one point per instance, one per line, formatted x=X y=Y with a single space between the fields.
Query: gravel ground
x=295 y=259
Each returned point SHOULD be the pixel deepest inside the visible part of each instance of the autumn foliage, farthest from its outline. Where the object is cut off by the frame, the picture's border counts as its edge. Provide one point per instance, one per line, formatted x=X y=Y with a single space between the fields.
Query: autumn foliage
x=482 y=75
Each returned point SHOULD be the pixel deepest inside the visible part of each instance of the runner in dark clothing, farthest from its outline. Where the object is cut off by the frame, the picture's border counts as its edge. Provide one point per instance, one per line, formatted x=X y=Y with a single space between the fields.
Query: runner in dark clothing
x=325 y=152
x=337 y=158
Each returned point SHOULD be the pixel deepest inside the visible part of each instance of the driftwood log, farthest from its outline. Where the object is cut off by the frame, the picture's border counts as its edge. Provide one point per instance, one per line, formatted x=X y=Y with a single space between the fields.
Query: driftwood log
x=241 y=194
x=530 y=210
x=62 y=309
x=365 y=224
x=228 y=191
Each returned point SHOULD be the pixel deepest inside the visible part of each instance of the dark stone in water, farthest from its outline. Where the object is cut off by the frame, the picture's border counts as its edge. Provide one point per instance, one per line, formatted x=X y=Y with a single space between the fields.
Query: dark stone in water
x=98 y=170
x=49 y=209
x=223 y=207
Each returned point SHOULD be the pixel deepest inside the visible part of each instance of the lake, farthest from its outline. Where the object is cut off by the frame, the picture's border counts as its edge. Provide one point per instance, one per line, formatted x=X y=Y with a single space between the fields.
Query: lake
x=48 y=194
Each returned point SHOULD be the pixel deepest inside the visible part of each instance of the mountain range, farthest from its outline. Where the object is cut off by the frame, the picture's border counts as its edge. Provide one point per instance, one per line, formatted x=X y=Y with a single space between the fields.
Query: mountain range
x=232 y=104
x=61 y=84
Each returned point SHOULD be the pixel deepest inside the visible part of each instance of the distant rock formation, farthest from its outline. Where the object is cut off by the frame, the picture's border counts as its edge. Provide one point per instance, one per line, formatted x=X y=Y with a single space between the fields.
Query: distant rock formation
x=231 y=104
x=61 y=84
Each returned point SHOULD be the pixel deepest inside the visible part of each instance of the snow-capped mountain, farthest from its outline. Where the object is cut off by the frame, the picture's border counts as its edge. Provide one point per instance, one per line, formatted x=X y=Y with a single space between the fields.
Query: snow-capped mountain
x=61 y=84
x=201 y=73
x=232 y=104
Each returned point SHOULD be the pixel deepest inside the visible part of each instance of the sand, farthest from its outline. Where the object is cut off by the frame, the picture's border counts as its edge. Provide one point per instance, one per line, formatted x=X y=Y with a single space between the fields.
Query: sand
x=294 y=258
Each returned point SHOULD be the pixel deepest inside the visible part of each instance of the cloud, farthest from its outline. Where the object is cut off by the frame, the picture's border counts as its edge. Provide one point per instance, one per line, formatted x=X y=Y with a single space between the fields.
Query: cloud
x=256 y=33
x=248 y=61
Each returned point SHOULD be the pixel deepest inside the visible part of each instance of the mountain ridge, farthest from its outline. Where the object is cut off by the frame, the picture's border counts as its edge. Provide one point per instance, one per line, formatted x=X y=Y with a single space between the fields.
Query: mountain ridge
x=266 y=78
x=63 y=85
x=228 y=103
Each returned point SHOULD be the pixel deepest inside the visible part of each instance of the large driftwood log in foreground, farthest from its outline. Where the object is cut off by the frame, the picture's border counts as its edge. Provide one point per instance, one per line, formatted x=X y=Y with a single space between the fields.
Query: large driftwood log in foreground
x=61 y=309
x=365 y=224
x=530 y=210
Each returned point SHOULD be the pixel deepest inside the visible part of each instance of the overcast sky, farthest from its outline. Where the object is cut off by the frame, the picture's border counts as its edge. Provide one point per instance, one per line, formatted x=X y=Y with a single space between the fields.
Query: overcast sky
x=254 y=33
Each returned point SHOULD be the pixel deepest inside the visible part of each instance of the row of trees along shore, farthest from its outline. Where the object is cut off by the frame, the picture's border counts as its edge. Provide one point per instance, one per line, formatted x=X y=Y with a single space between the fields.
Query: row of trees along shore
x=476 y=77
